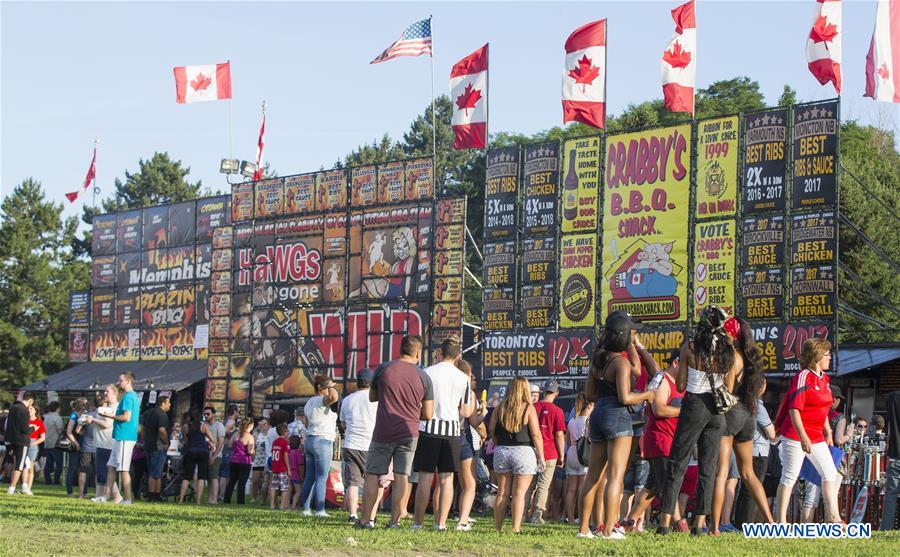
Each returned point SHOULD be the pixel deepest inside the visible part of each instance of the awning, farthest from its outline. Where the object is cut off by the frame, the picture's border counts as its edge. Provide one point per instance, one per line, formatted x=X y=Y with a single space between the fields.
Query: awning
x=856 y=358
x=164 y=375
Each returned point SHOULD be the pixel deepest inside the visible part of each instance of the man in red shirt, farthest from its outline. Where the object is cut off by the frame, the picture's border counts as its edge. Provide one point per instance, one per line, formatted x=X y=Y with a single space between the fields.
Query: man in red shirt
x=553 y=428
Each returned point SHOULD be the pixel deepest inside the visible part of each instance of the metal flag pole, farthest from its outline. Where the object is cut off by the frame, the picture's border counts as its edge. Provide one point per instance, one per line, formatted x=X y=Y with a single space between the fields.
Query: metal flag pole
x=95 y=189
x=230 y=122
x=433 y=115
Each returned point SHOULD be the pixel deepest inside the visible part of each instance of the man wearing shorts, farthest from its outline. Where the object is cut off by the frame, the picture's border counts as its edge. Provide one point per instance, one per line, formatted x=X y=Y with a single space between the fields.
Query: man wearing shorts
x=217 y=430
x=17 y=436
x=125 y=433
x=156 y=443
x=404 y=395
x=358 y=420
x=438 y=446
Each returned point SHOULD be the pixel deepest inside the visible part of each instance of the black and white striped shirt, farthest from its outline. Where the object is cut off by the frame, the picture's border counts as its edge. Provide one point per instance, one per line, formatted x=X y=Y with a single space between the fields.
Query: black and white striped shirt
x=451 y=389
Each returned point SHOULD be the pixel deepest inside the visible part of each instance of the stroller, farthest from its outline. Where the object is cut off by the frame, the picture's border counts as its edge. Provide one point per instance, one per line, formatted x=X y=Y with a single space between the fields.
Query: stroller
x=485 y=490
x=173 y=478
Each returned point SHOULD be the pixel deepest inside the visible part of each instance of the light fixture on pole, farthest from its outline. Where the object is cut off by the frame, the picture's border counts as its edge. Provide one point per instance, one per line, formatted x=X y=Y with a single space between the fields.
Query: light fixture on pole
x=248 y=169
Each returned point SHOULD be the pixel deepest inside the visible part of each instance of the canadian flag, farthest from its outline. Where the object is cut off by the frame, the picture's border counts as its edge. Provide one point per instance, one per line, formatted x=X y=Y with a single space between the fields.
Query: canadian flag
x=584 y=77
x=823 y=47
x=679 y=61
x=259 y=149
x=209 y=82
x=468 y=91
x=883 y=60
x=91 y=174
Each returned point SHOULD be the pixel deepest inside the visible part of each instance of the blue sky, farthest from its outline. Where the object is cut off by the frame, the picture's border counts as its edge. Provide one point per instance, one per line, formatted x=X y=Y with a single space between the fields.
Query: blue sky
x=73 y=71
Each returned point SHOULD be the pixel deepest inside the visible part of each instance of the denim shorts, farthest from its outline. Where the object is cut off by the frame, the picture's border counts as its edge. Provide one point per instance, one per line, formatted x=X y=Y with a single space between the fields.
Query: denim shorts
x=156 y=461
x=609 y=420
x=636 y=476
x=466 y=446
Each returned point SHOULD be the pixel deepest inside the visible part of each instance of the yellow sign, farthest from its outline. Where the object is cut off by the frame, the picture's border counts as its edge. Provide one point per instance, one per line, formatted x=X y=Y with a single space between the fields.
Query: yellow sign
x=578 y=269
x=715 y=243
x=579 y=189
x=645 y=223
x=717 y=163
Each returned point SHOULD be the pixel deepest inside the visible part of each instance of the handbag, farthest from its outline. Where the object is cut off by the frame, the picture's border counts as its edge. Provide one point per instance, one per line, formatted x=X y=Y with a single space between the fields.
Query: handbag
x=65 y=444
x=723 y=398
x=583 y=449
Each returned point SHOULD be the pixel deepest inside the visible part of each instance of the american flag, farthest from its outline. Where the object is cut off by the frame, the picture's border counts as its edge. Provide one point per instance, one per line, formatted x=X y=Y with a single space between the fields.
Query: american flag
x=415 y=41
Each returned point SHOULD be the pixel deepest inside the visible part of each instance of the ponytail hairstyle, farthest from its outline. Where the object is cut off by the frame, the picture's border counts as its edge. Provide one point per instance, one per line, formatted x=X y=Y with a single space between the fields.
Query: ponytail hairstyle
x=753 y=378
x=711 y=343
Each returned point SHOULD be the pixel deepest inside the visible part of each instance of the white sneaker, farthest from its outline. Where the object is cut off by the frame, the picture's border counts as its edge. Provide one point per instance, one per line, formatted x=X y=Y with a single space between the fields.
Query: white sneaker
x=100 y=499
x=615 y=535
x=27 y=491
x=322 y=514
x=588 y=536
x=11 y=491
x=306 y=512
x=460 y=527
x=416 y=526
x=126 y=502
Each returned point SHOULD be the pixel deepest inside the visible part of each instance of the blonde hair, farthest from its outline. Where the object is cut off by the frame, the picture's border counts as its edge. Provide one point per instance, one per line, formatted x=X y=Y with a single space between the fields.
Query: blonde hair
x=511 y=410
x=812 y=351
x=581 y=404
x=464 y=367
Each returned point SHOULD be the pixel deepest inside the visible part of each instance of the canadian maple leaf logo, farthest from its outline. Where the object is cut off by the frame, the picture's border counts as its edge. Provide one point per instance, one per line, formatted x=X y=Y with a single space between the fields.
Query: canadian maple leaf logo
x=468 y=99
x=200 y=82
x=822 y=31
x=884 y=72
x=677 y=58
x=585 y=73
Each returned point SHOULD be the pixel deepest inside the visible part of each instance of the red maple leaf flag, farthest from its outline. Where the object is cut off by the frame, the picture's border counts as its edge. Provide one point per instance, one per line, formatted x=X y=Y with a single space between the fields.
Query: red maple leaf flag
x=468 y=91
x=584 y=76
x=883 y=59
x=259 y=149
x=91 y=174
x=823 y=46
x=208 y=82
x=678 y=68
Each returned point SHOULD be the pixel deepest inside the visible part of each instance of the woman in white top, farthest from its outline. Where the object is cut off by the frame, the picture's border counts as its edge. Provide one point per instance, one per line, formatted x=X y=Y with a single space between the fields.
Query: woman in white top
x=575 y=472
x=321 y=430
x=706 y=363
x=258 y=487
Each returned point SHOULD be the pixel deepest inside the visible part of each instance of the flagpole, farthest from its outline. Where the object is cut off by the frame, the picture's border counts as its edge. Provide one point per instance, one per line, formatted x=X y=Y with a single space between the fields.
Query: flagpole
x=433 y=116
x=230 y=121
x=94 y=185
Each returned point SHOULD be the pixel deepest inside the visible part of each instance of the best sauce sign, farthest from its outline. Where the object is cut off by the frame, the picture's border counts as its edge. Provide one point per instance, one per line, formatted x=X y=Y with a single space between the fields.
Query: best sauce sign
x=645 y=223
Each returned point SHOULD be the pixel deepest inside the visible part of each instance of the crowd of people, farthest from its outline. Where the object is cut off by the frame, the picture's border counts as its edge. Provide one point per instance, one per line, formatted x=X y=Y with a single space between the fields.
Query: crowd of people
x=643 y=443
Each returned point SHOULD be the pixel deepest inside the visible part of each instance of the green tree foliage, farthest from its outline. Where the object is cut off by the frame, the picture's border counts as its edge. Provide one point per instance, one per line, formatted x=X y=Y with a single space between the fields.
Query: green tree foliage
x=37 y=270
x=873 y=164
x=788 y=96
x=158 y=180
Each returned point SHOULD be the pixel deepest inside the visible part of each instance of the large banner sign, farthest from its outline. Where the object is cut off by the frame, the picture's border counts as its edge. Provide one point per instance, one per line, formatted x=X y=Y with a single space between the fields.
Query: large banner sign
x=781 y=343
x=717 y=167
x=578 y=274
x=535 y=354
x=500 y=196
x=813 y=238
x=538 y=281
x=645 y=226
x=813 y=292
x=541 y=181
x=763 y=241
x=715 y=247
x=815 y=155
x=581 y=184
x=762 y=292
x=765 y=160
x=662 y=341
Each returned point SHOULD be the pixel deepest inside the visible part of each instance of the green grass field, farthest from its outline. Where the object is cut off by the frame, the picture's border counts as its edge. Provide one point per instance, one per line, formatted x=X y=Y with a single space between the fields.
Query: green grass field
x=51 y=524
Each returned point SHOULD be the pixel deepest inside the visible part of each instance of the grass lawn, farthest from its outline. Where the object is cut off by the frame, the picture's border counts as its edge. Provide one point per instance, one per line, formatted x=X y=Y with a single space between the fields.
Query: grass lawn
x=51 y=524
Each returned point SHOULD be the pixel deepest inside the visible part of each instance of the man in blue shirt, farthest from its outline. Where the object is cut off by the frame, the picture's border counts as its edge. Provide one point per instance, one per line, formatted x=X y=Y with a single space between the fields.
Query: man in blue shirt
x=125 y=432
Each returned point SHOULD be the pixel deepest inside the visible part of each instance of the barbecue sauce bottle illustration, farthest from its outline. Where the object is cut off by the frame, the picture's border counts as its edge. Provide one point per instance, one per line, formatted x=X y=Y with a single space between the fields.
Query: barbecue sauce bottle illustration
x=570 y=190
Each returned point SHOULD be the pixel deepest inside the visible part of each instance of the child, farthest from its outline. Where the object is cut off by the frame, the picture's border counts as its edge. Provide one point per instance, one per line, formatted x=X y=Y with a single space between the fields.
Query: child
x=280 y=468
x=298 y=464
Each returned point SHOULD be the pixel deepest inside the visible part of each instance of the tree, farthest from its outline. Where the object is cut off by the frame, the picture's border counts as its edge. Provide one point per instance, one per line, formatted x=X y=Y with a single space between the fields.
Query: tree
x=873 y=172
x=37 y=270
x=159 y=180
x=788 y=96
x=373 y=153
x=729 y=96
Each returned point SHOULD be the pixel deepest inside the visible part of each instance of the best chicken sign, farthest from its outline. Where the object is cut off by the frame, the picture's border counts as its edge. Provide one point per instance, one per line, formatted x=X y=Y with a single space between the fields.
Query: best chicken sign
x=645 y=223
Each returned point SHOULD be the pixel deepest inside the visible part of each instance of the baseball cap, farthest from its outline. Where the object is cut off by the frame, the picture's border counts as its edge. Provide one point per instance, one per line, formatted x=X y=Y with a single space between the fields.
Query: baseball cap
x=836 y=391
x=620 y=321
x=535 y=388
x=551 y=387
x=365 y=375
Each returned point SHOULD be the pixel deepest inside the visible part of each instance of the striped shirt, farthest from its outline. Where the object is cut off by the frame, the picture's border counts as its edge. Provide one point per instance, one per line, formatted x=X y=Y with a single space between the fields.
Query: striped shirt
x=451 y=389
